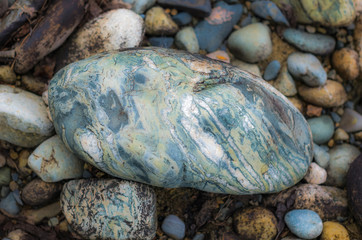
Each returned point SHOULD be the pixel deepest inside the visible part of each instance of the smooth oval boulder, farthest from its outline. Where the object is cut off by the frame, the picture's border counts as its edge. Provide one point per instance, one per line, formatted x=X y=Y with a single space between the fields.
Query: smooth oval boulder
x=172 y=119
x=23 y=117
x=110 y=209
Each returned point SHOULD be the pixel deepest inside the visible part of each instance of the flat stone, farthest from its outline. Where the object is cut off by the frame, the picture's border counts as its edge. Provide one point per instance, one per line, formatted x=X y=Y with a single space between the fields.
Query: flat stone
x=213 y=30
x=198 y=8
x=23 y=117
x=307 y=68
x=249 y=67
x=35 y=216
x=172 y=119
x=119 y=209
x=319 y=44
x=53 y=162
x=268 y=10
x=332 y=94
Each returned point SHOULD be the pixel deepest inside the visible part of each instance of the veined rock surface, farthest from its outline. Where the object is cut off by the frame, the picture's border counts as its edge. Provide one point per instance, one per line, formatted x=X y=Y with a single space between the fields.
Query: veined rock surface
x=172 y=119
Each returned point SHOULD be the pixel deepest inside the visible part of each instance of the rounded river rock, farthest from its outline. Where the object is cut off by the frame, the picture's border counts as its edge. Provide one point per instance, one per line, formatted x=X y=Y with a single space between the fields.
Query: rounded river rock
x=110 y=209
x=172 y=119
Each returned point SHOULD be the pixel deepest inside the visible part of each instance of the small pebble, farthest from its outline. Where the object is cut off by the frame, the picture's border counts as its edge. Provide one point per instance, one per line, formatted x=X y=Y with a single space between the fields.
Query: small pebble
x=341 y=157
x=318 y=44
x=219 y=55
x=7 y=75
x=351 y=121
x=336 y=118
x=32 y=84
x=297 y=103
x=322 y=128
x=5 y=176
x=345 y=61
x=186 y=39
x=54 y=221
x=182 y=18
x=268 y=10
x=174 y=227
x=53 y=162
x=304 y=223
x=313 y=111
x=255 y=223
x=248 y=49
x=321 y=156
x=316 y=174
x=158 y=22
x=334 y=231
x=330 y=95
x=340 y=135
x=9 y=204
x=272 y=70
x=285 y=83
x=307 y=68
x=199 y=236
x=18 y=234
x=38 y=192
x=164 y=42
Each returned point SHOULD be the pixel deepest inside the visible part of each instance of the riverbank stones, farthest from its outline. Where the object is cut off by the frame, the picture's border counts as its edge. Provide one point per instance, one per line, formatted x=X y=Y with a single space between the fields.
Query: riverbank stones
x=332 y=94
x=304 y=223
x=354 y=189
x=334 y=230
x=186 y=40
x=272 y=70
x=268 y=10
x=158 y=22
x=53 y=162
x=346 y=63
x=316 y=174
x=213 y=30
x=38 y=192
x=174 y=227
x=285 y=83
x=172 y=119
x=307 y=68
x=315 y=43
x=322 y=128
x=24 y=120
x=118 y=209
x=248 y=49
x=351 y=121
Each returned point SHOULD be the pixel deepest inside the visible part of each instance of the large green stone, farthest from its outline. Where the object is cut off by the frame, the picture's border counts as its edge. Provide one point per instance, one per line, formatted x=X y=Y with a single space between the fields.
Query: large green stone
x=172 y=119
x=330 y=13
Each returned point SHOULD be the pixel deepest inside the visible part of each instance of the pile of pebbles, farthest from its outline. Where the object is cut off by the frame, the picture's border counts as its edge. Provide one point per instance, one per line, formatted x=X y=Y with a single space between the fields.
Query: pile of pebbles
x=313 y=60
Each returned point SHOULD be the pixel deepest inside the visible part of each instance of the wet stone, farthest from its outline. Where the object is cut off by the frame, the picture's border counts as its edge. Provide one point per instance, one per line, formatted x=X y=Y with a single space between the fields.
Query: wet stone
x=186 y=40
x=213 y=30
x=285 y=83
x=119 y=209
x=125 y=135
x=304 y=223
x=272 y=70
x=268 y=10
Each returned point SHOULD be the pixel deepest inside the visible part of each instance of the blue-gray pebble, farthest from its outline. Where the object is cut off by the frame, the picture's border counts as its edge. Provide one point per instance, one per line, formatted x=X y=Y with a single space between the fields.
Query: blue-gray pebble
x=269 y=10
x=186 y=39
x=307 y=68
x=304 y=223
x=164 y=42
x=212 y=31
x=174 y=227
x=322 y=128
x=272 y=70
x=315 y=43
x=182 y=18
x=321 y=156
x=9 y=204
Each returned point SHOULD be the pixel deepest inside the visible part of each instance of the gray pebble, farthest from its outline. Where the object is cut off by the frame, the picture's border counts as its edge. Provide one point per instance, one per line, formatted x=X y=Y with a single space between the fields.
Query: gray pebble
x=174 y=227
x=321 y=156
x=9 y=204
x=272 y=70
x=322 y=128
x=186 y=40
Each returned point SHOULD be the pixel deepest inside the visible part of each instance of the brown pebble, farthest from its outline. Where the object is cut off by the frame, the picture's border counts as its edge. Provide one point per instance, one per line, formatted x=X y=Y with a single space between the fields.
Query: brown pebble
x=19 y=234
x=38 y=192
x=340 y=135
x=330 y=143
x=14 y=155
x=313 y=111
x=13 y=186
x=332 y=94
x=345 y=61
x=34 y=216
x=297 y=103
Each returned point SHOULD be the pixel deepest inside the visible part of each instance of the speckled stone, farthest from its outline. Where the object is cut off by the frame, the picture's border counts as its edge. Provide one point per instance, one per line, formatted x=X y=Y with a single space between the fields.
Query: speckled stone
x=158 y=22
x=38 y=192
x=335 y=231
x=24 y=121
x=341 y=157
x=167 y=118
x=248 y=49
x=331 y=13
x=255 y=223
x=329 y=202
x=330 y=95
x=307 y=68
x=53 y=162
x=213 y=30
x=316 y=174
x=315 y=43
x=304 y=223
x=110 y=209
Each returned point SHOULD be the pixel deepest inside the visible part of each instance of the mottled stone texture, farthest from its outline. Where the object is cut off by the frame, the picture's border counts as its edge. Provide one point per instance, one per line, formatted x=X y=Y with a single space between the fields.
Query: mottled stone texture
x=110 y=209
x=172 y=119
